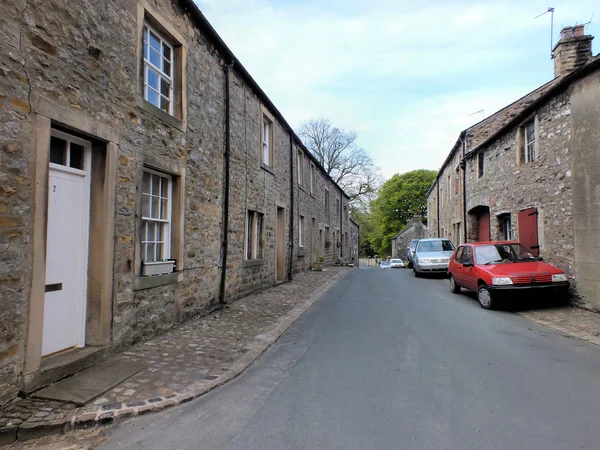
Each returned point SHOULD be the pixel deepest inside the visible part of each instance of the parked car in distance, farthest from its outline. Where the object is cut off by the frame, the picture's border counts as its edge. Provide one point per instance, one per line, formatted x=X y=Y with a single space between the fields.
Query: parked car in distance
x=396 y=263
x=494 y=268
x=409 y=252
x=384 y=264
x=432 y=255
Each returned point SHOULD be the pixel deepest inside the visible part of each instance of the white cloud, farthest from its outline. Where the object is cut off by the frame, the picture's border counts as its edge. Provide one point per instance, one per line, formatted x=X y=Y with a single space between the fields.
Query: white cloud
x=405 y=75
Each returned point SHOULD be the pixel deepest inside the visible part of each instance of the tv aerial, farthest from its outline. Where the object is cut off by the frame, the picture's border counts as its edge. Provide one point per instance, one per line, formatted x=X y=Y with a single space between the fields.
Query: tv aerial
x=551 y=11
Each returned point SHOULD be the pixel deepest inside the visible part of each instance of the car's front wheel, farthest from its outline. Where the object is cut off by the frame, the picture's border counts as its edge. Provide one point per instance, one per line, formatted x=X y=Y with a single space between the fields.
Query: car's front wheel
x=485 y=297
x=417 y=274
x=454 y=288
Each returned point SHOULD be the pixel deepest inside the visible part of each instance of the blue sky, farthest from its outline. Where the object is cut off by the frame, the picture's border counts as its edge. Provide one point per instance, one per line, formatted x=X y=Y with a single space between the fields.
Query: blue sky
x=405 y=75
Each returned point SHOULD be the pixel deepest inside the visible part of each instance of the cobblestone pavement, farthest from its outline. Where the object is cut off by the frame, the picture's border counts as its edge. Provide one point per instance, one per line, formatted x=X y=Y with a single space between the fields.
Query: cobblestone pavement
x=576 y=322
x=198 y=351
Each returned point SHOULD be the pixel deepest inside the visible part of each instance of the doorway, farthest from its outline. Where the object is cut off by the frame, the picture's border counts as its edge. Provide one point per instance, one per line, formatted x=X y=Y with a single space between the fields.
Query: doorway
x=280 y=246
x=479 y=224
x=67 y=243
x=313 y=241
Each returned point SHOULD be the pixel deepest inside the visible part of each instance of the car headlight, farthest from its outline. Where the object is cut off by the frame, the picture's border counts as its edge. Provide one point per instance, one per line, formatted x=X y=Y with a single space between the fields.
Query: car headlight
x=424 y=261
x=559 y=277
x=501 y=281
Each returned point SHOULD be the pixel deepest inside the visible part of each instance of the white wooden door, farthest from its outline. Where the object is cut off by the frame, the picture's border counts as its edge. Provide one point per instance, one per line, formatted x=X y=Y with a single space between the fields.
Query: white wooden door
x=67 y=243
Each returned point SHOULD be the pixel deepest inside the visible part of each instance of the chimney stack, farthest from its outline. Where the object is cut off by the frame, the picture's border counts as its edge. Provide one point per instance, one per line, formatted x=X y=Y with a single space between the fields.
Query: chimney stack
x=572 y=51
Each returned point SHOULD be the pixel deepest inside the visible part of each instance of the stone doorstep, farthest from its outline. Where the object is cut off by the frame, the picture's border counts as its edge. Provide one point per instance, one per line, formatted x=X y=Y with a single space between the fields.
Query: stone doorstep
x=113 y=413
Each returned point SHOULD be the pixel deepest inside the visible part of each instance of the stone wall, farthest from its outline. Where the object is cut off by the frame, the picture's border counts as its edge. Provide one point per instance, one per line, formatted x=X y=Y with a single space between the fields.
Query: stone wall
x=451 y=200
x=414 y=230
x=16 y=200
x=432 y=212
x=585 y=146
x=82 y=57
x=508 y=186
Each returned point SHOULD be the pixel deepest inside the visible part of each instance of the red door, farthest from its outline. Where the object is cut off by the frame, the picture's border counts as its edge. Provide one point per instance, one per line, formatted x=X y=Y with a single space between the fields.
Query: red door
x=484 y=226
x=528 y=230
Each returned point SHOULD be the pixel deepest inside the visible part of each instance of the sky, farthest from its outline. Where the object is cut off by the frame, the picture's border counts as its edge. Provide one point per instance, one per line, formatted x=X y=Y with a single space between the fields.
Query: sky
x=407 y=76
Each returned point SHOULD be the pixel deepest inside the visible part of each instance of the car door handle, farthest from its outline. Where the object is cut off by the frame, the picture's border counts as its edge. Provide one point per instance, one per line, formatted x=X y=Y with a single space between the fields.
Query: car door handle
x=54 y=287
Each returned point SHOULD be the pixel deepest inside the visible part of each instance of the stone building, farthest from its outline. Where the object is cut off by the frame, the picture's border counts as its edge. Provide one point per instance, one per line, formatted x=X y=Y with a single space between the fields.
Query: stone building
x=526 y=172
x=415 y=229
x=145 y=178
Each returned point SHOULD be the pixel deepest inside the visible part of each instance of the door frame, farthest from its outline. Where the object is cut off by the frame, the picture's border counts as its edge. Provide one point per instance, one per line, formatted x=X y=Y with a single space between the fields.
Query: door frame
x=279 y=243
x=83 y=257
x=102 y=226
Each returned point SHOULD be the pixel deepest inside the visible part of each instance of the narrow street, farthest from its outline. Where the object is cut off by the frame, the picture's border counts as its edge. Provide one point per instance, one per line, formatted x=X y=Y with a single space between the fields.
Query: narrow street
x=388 y=361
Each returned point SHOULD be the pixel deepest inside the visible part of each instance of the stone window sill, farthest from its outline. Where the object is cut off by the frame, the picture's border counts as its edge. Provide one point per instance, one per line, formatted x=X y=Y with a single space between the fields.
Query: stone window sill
x=267 y=168
x=165 y=117
x=253 y=262
x=140 y=283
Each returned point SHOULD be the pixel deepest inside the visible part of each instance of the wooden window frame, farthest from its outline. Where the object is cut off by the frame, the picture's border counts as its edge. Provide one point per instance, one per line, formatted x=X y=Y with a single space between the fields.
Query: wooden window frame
x=301 y=231
x=300 y=167
x=147 y=220
x=160 y=71
x=523 y=155
x=503 y=220
x=254 y=236
x=480 y=165
x=148 y=17
x=529 y=156
x=267 y=125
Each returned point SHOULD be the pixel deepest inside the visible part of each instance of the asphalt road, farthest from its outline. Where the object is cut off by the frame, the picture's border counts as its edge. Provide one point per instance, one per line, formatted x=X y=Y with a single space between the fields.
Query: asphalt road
x=388 y=361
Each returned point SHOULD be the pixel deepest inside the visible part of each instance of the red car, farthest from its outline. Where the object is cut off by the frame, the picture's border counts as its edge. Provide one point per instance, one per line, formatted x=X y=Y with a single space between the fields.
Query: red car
x=493 y=268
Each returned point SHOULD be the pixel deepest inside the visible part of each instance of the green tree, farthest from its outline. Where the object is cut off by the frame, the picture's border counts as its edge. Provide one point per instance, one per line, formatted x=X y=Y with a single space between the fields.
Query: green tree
x=400 y=198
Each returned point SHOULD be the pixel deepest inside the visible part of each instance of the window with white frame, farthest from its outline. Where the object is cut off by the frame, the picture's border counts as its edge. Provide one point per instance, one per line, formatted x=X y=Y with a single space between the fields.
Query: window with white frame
x=528 y=153
x=158 y=70
x=254 y=235
x=300 y=168
x=313 y=179
x=301 y=231
x=156 y=216
x=267 y=145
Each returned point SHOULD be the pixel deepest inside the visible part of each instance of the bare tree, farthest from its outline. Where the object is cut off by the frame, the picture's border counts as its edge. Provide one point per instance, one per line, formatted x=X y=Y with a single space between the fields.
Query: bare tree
x=347 y=164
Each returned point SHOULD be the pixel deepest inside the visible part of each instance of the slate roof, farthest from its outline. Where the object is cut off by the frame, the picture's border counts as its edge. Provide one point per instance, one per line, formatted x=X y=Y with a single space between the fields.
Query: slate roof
x=492 y=126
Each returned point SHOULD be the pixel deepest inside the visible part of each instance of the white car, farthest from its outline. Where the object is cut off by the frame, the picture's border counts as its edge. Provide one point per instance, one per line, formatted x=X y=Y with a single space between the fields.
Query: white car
x=396 y=263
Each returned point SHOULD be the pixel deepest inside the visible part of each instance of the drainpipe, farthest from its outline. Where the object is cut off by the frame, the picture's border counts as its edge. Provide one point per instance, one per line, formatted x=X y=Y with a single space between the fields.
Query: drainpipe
x=291 y=205
x=438 y=206
x=464 y=170
x=224 y=243
x=341 y=229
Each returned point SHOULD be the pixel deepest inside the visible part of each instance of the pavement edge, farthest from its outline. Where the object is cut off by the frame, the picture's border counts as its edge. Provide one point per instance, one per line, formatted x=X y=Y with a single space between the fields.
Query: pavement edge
x=569 y=331
x=112 y=413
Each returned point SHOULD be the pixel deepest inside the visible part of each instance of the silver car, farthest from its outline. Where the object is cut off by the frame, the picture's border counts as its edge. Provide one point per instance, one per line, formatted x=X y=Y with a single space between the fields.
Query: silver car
x=432 y=256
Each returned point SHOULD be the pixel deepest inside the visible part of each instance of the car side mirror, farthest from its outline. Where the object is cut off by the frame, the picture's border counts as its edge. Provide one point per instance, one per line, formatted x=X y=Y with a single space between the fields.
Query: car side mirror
x=539 y=258
x=468 y=264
